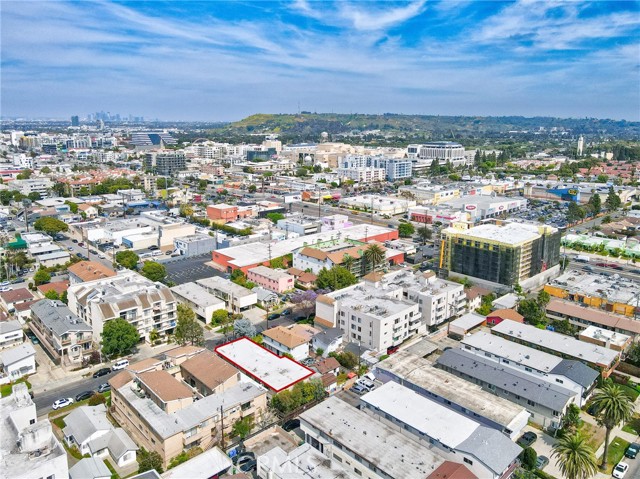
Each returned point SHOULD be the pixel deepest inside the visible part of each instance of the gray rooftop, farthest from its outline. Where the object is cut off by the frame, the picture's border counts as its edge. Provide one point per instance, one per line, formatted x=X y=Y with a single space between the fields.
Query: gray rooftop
x=372 y=440
x=578 y=372
x=408 y=368
x=370 y=300
x=18 y=353
x=565 y=345
x=117 y=441
x=197 y=294
x=304 y=462
x=89 y=468
x=517 y=382
x=452 y=429
x=56 y=316
x=10 y=326
x=84 y=421
x=224 y=285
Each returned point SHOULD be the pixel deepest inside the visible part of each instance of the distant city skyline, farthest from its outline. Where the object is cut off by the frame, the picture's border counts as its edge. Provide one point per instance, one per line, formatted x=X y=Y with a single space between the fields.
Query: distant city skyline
x=222 y=61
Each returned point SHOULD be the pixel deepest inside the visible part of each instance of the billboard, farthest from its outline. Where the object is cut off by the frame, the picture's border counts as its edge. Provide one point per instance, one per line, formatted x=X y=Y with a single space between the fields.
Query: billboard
x=292 y=198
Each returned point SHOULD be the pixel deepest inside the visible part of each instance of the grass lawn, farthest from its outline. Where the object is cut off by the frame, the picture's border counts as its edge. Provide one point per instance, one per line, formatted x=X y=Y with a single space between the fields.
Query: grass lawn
x=633 y=426
x=615 y=453
x=59 y=421
x=6 y=389
x=594 y=434
x=114 y=474
x=632 y=392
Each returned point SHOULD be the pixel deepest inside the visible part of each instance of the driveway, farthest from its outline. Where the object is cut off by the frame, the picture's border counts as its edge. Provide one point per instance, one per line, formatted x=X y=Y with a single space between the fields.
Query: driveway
x=543 y=447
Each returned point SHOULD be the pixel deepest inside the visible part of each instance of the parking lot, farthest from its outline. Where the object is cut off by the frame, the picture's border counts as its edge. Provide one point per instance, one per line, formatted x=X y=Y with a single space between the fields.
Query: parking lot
x=553 y=212
x=187 y=270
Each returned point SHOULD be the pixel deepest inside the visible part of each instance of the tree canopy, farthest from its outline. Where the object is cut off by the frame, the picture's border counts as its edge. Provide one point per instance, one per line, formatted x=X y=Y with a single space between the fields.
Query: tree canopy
x=188 y=331
x=613 y=201
x=153 y=271
x=405 y=230
x=337 y=277
x=127 y=259
x=51 y=226
x=118 y=337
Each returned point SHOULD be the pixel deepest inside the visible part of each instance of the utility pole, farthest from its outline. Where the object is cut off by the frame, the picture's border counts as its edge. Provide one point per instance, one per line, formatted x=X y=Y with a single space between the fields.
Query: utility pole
x=371 y=216
x=222 y=427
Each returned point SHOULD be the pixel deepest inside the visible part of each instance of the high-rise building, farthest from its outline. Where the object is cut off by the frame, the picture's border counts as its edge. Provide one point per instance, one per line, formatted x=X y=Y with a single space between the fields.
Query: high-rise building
x=75 y=120
x=165 y=163
x=504 y=253
x=580 y=145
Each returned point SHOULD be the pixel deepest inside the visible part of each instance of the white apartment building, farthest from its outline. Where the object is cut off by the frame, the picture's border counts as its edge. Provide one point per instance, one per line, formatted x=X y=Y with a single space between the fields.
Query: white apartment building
x=201 y=301
x=394 y=168
x=128 y=295
x=442 y=151
x=363 y=175
x=32 y=185
x=438 y=300
x=377 y=319
x=236 y=298
x=382 y=205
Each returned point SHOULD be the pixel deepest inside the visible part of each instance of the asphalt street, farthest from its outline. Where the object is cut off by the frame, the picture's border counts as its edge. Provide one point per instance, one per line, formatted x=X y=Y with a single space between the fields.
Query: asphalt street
x=44 y=400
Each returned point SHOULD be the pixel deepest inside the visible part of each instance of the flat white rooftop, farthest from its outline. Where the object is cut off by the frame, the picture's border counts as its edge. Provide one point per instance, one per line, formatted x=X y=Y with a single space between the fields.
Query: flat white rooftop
x=605 y=335
x=275 y=372
x=560 y=343
x=510 y=233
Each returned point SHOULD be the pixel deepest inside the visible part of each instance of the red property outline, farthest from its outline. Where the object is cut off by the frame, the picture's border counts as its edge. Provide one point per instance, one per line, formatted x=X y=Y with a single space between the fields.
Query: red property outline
x=262 y=381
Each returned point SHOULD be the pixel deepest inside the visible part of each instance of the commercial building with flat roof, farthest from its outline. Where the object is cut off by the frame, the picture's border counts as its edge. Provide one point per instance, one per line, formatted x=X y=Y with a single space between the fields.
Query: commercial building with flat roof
x=567 y=347
x=366 y=446
x=304 y=462
x=486 y=452
x=614 y=294
x=507 y=253
x=274 y=372
x=419 y=375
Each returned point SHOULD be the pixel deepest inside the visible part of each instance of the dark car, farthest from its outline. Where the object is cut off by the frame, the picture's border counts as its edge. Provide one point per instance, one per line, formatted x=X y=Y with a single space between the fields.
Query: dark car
x=291 y=424
x=286 y=312
x=273 y=316
x=527 y=439
x=616 y=266
x=84 y=395
x=243 y=457
x=249 y=466
x=152 y=247
x=101 y=372
x=542 y=462
x=93 y=251
x=632 y=450
x=104 y=387
x=74 y=240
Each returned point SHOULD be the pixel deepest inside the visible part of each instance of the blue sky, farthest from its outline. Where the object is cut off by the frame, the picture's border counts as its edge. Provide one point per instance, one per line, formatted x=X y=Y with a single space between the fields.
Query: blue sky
x=222 y=60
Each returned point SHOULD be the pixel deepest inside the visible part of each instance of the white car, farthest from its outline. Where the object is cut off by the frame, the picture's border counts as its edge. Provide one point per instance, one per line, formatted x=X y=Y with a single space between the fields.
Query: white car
x=4 y=289
x=101 y=256
x=620 y=470
x=64 y=402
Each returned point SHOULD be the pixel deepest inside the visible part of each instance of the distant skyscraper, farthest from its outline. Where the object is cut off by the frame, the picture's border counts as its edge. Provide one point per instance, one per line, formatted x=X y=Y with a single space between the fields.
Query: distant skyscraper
x=75 y=121
x=580 y=145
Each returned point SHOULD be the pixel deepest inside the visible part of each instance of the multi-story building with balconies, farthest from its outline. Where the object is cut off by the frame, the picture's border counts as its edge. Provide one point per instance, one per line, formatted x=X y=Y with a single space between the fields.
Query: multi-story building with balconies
x=130 y=296
x=63 y=334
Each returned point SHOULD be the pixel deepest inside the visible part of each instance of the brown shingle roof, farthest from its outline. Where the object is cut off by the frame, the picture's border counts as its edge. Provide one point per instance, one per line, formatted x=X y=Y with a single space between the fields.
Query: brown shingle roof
x=90 y=270
x=475 y=291
x=20 y=294
x=328 y=379
x=306 y=277
x=452 y=470
x=59 y=287
x=165 y=386
x=208 y=368
x=328 y=364
x=143 y=365
x=599 y=317
x=26 y=305
x=284 y=336
x=511 y=314
x=314 y=253
x=120 y=379
x=183 y=351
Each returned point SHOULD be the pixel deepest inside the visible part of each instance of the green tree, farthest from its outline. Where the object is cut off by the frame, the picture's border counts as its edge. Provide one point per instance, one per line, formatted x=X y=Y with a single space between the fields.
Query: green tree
x=543 y=299
x=595 y=202
x=574 y=213
x=613 y=406
x=51 y=226
x=613 y=201
x=188 y=331
x=185 y=210
x=575 y=457
x=347 y=261
x=154 y=335
x=127 y=259
x=405 y=230
x=425 y=234
x=118 y=337
x=153 y=271
x=528 y=457
x=347 y=359
x=24 y=174
x=253 y=188
x=148 y=460
x=530 y=309
x=45 y=170
x=34 y=196
x=374 y=255
x=244 y=327
x=242 y=427
x=96 y=399
x=571 y=420
x=73 y=207
x=275 y=217
x=219 y=317
x=52 y=294
x=42 y=276
x=335 y=278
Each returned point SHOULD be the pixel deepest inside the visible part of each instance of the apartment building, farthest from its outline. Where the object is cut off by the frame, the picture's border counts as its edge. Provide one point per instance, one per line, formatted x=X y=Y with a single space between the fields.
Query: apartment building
x=442 y=151
x=11 y=333
x=571 y=374
x=597 y=357
x=274 y=280
x=42 y=186
x=503 y=253
x=161 y=413
x=300 y=225
x=293 y=340
x=28 y=447
x=438 y=300
x=420 y=375
x=62 y=333
x=454 y=436
x=236 y=298
x=585 y=317
x=128 y=295
x=393 y=169
x=84 y=271
x=165 y=163
x=200 y=300
x=209 y=374
x=375 y=318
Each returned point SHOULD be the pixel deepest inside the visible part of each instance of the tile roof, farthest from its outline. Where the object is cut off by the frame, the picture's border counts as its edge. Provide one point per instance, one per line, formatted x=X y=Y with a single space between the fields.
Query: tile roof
x=90 y=270
x=165 y=386
x=326 y=365
x=511 y=314
x=59 y=287
x=15 y=295
x=452 y=470
x=208 y=368
x=595 y=316
x=285 y=336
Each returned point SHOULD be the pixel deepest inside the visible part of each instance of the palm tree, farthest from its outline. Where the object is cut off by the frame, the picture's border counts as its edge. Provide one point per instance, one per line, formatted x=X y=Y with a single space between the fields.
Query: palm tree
x=575 y=457
x=374 y=255
x=347 y=261
x=613 y=406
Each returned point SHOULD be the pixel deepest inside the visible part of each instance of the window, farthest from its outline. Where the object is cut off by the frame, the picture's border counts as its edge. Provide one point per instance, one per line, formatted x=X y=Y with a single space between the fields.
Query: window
x=530 y=402
x=468 y=461
x=559 y=381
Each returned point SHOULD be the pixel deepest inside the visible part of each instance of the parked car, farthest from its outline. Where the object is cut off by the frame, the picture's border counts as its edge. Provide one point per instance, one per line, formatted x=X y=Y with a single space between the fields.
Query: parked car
x=527 y=439
x=249 y=465
x=102 y=256
x=243 y=457
x=64 y=402
x=81 y=245
x=121 y=364
x=4 y=289
x=74 y=240
x=542 y=462
x=152 y=247
x=104 y=387
x=632 y=450
x=286 y=312
x=359 y=389
x=101 y=372
x=84 y=395
x=291 y=424
x=620 y=470
x=273 y=316
x=366 y=383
